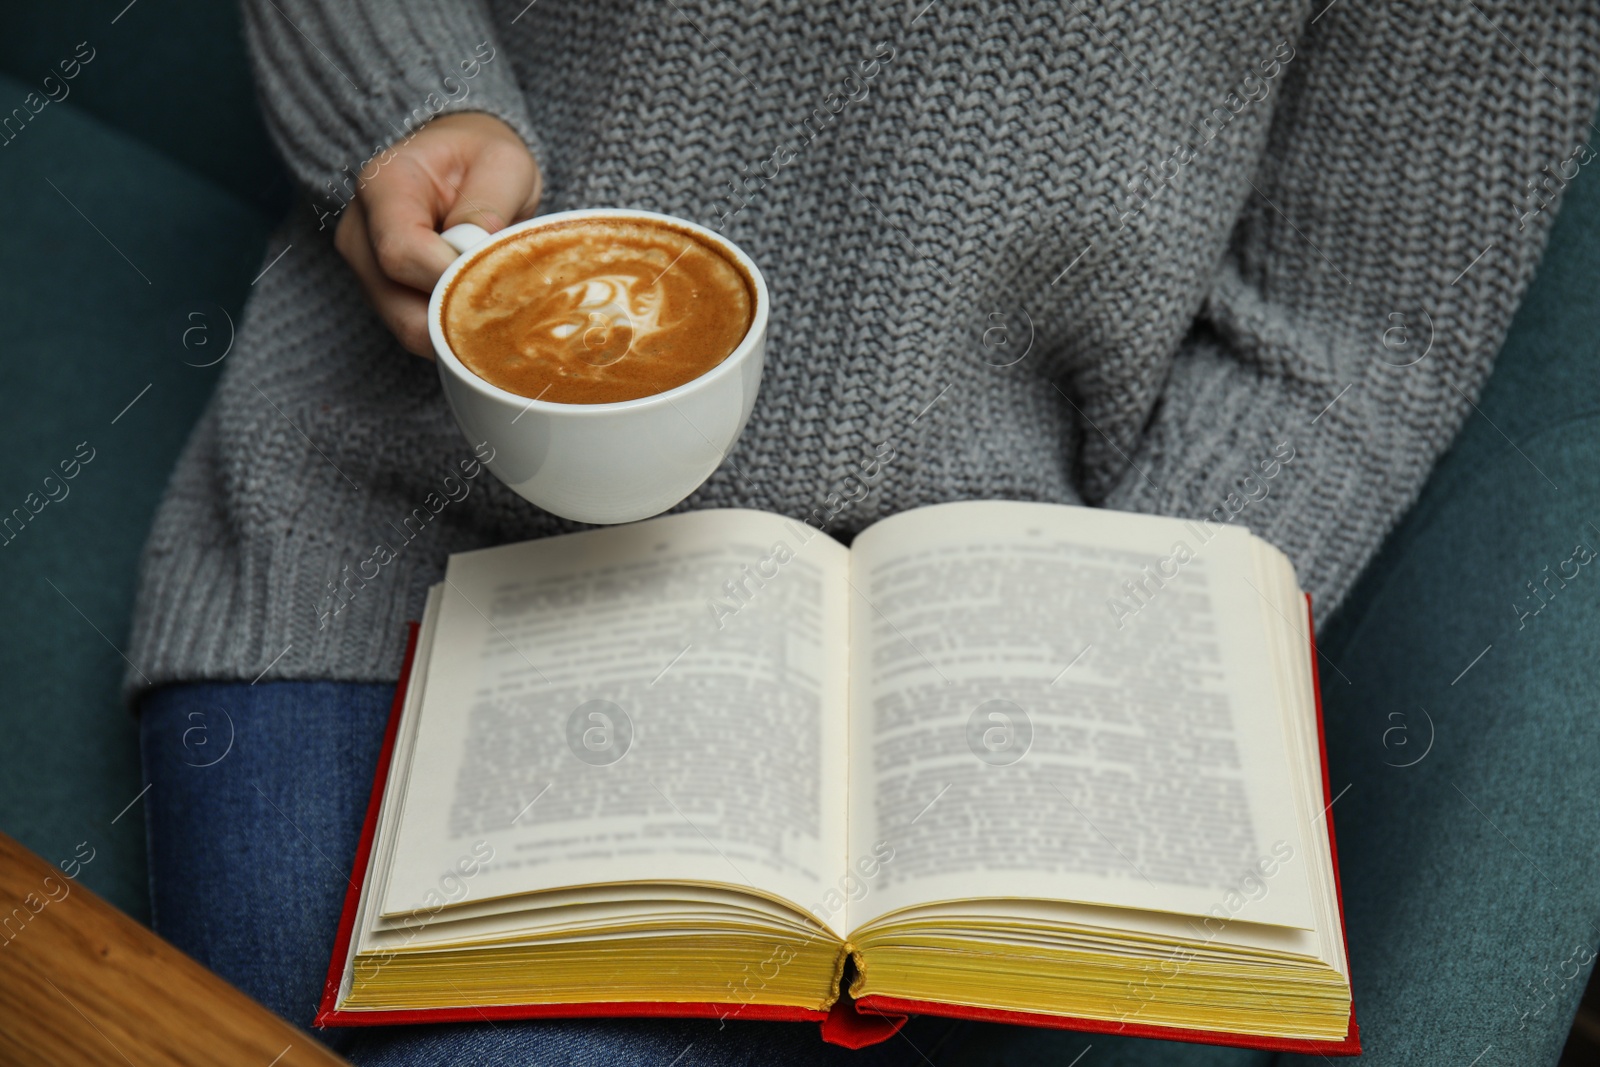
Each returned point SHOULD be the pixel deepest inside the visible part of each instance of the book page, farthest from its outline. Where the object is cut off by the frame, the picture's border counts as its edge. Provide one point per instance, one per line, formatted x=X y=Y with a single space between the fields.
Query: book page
x=394 y=786
x=1288 y=619
x=660 y=702
x=1067 y=704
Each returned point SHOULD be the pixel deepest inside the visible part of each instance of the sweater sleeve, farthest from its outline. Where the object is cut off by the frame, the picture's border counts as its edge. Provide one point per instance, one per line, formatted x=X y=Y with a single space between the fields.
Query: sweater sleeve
x=1381 y=249
x=340 y=83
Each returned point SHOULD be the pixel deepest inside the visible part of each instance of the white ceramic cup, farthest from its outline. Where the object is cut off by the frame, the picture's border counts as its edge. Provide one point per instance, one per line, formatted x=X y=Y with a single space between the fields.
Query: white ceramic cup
x=603 y=463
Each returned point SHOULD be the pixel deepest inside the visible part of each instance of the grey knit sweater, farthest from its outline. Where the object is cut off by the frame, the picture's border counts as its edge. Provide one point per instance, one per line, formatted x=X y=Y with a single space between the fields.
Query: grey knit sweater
x=1242 y=260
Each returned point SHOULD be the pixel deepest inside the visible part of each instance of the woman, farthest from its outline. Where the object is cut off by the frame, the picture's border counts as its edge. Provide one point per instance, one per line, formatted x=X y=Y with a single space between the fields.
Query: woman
x=1124 y=258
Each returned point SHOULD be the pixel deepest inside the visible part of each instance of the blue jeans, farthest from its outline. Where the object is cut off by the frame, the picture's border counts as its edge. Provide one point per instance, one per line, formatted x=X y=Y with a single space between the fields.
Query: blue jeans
x=258 y=794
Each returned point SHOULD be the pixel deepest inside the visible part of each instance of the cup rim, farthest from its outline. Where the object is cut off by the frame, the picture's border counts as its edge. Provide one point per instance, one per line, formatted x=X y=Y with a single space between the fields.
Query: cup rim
x=446 y=356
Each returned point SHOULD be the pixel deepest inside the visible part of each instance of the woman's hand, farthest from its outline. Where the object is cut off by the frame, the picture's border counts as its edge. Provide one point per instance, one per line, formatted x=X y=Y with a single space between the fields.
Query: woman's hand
x=466 y=167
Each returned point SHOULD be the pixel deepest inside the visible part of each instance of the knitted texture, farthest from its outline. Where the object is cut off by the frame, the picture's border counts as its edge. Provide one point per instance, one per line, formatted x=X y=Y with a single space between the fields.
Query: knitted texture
x=1131 y=255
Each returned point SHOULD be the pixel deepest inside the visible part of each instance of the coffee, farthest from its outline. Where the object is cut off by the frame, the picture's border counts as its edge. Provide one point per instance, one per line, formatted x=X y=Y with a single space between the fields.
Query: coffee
x=597 y=310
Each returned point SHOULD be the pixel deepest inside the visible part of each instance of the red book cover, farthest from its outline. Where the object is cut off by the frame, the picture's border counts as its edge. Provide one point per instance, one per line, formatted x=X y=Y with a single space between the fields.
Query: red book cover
x=853 y=1024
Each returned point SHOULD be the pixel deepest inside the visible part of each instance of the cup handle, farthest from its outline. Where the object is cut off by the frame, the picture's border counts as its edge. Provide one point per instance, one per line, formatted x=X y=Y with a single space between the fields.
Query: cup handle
x=465 y=236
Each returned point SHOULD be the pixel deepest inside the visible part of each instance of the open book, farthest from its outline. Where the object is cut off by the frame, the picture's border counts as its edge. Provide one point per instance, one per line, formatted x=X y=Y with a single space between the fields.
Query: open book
x=1029 y=762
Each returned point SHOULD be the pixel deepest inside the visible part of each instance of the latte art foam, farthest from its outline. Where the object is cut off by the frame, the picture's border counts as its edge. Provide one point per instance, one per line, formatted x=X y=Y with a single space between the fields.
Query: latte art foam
x=597 y=311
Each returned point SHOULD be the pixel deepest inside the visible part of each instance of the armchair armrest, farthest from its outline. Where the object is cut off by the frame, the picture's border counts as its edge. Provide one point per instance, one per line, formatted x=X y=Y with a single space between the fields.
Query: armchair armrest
x=80 y=982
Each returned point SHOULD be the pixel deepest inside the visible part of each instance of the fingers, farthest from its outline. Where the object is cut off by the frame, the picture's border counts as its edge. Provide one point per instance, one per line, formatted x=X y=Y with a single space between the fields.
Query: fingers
x=499 y=186
x=403 y=203
x=403 y=309
x=466 y=167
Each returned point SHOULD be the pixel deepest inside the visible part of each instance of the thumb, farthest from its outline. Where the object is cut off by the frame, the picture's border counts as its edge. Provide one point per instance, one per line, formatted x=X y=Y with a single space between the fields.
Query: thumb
x=499 y=187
